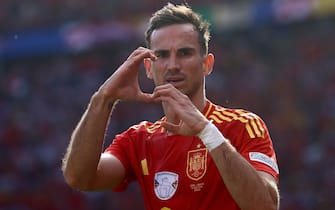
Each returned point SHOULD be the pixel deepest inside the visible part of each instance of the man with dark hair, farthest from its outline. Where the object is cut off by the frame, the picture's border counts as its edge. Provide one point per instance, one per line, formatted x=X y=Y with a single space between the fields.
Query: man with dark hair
x=199 y=155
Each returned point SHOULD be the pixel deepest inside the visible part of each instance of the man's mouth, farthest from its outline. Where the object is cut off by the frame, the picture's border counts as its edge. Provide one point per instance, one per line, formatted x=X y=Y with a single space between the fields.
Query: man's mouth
x=175 y=81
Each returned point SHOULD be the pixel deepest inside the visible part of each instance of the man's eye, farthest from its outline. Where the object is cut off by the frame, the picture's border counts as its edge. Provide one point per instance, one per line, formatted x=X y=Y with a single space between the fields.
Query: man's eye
x=162 y=54
x=185 y=52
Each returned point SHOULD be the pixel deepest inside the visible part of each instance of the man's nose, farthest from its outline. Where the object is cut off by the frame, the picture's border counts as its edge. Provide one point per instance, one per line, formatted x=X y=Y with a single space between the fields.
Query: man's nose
x=173 y=63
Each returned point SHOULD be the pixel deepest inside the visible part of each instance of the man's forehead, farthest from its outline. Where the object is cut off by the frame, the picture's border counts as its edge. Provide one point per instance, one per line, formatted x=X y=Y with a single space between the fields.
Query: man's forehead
x=180 y=28
x=175 y=36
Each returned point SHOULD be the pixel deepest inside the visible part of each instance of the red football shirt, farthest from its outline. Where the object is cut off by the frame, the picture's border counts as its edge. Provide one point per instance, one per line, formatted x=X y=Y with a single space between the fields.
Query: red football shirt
x=177 y=172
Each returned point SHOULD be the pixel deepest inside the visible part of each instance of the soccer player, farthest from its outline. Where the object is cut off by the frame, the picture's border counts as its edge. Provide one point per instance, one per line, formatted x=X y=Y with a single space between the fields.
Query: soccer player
x=199 y=155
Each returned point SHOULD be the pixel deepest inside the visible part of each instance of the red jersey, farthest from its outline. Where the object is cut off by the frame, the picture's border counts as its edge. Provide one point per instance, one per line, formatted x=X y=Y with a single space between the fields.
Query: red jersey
x=177 y=172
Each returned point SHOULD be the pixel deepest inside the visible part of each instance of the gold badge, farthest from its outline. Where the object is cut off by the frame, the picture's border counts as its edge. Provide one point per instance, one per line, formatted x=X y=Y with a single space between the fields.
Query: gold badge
x=196 y=164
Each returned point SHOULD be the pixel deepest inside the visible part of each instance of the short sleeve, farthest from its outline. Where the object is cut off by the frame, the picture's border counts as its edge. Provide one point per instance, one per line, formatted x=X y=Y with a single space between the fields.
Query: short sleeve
x=257 y=147
x=118 y=148
x=250 y=136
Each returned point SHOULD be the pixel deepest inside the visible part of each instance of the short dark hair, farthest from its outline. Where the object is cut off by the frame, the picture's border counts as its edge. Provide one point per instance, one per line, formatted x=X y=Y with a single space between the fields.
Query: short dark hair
x=179 y=14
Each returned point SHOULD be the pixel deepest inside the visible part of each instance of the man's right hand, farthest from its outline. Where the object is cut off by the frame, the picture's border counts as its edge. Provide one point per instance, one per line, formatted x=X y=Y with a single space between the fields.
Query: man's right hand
x=123 y=84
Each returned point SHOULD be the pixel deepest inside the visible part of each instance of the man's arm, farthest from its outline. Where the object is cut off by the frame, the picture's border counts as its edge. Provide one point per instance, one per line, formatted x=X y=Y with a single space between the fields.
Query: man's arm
x=251 y=189
x=84 y=165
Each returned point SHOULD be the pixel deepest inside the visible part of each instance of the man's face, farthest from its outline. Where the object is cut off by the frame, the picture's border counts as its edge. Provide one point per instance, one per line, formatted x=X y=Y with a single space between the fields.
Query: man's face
x=180 y=61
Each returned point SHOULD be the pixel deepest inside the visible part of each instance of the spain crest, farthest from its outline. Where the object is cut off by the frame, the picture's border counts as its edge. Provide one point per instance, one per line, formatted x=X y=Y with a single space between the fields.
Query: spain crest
x=196 y=163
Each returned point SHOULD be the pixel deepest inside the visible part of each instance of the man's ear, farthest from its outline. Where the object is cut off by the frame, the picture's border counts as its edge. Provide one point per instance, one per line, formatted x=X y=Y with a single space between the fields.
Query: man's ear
x=147 y=66
x=209 y=63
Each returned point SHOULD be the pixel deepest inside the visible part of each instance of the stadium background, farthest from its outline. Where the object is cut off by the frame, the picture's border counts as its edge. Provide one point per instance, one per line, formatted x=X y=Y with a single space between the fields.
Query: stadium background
x=275 y=58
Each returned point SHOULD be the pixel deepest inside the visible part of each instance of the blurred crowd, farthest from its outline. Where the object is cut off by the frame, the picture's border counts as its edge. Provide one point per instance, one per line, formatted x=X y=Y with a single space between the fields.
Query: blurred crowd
x=283 y=72
x=18 y=14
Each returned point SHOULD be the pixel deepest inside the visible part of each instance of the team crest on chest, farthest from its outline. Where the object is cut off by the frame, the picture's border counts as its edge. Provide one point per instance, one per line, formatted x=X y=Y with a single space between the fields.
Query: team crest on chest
x=165 y=184
x=196 y=163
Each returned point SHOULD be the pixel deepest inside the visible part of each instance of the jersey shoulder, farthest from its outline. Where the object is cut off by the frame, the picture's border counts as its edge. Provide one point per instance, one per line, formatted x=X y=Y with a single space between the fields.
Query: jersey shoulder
x=239 y=118
x=146 y=127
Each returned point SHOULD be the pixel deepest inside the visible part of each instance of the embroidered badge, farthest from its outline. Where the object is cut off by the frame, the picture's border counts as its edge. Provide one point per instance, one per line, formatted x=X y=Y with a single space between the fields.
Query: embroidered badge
x=165 y=184
x=196 y=164
x=263 y=158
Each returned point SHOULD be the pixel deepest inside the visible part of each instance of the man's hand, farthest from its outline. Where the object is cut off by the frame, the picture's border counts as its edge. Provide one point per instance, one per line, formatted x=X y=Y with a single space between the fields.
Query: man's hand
x=190 y=120
x=123 y=84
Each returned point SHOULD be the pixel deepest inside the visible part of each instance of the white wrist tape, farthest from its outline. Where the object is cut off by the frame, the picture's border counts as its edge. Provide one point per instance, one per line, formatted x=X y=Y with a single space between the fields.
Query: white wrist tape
x=211 y=136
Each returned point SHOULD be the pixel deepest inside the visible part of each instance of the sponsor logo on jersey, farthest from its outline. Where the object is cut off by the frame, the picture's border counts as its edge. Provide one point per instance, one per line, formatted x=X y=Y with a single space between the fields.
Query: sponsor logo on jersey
x=196 y=164
x=165 y=184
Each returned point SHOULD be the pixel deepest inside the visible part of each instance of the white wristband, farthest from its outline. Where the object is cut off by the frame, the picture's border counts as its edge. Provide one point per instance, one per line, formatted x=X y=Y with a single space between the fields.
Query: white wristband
x=211 y=136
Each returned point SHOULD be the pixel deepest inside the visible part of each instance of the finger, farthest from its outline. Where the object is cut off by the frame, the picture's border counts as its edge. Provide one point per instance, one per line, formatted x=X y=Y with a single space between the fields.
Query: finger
x=142 y=53
x=178 y=101
x=168 y=90
x=173 y=128
x=169 y=100
x=136 y=52
x=145 y=97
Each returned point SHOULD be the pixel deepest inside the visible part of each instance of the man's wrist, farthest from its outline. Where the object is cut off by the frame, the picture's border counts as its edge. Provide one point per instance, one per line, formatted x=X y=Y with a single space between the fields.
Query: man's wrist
x=211 y=136
x=100 y=101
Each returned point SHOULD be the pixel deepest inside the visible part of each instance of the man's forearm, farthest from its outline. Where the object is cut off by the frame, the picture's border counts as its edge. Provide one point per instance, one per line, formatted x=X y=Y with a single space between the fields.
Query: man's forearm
x=244 y=183
x=83 y=153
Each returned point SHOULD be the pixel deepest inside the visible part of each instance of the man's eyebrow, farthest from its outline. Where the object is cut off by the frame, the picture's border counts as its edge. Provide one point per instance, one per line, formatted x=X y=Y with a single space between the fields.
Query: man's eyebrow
x=179 y=49
x=186 y=49
x=160 y=51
